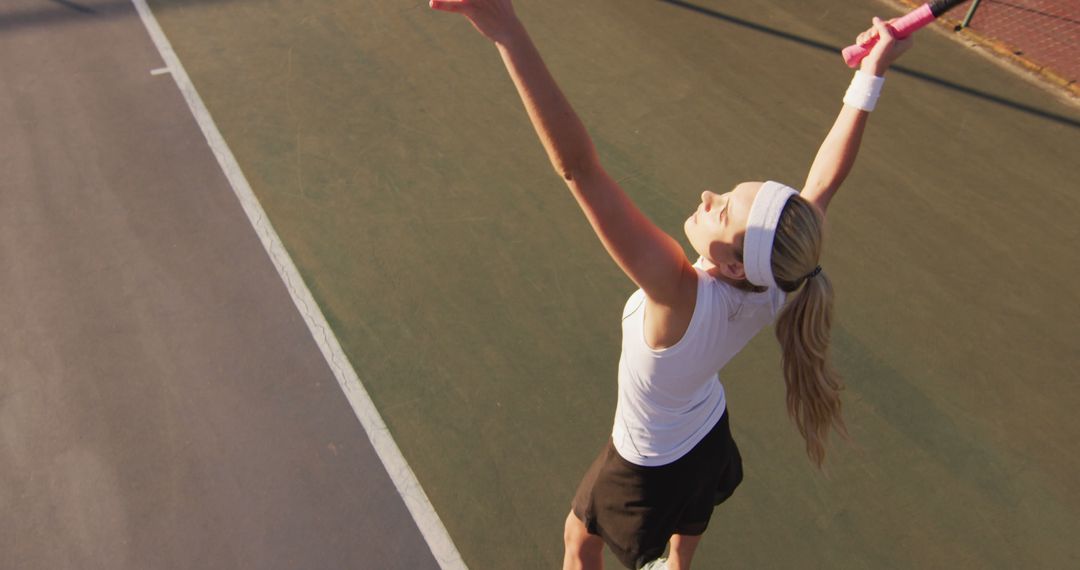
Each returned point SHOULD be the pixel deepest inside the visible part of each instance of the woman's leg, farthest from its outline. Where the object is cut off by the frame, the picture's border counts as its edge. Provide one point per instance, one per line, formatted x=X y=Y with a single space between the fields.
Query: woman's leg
x=682 y=550
x=584 y=551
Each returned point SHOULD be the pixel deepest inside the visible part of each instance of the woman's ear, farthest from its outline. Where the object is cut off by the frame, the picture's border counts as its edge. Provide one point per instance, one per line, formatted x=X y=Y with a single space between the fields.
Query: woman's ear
x=738 y=271
x=734 y=270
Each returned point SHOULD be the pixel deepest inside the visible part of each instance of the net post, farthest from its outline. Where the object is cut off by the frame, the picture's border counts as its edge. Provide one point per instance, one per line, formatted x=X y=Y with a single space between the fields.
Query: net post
x=970 y=13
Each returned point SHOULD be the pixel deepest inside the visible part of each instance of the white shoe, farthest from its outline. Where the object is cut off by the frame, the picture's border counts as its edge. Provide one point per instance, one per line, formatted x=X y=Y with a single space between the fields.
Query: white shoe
x=658 y=564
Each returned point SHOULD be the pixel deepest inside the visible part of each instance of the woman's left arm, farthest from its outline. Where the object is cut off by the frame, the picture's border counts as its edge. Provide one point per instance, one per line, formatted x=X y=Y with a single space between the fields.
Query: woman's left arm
x=650 y=257
x=837 y=154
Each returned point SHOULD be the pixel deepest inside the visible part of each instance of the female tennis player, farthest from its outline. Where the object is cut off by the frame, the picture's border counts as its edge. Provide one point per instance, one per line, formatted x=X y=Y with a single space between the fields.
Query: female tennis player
x=671 y=457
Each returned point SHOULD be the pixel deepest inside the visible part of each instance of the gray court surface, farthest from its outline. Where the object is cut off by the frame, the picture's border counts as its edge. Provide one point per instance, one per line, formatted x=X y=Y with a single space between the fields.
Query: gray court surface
x=162 y=404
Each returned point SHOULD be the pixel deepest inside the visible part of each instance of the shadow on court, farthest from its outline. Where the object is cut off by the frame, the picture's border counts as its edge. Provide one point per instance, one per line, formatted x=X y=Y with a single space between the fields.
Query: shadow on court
x=393 y=157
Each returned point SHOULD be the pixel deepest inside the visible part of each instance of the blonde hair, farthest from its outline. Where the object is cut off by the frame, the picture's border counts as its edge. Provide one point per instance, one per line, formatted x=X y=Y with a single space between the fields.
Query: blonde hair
x=803 y=327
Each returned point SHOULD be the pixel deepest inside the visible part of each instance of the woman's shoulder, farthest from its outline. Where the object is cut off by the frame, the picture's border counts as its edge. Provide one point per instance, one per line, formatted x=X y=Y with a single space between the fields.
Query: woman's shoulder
x=715 y=294
x=738 y=301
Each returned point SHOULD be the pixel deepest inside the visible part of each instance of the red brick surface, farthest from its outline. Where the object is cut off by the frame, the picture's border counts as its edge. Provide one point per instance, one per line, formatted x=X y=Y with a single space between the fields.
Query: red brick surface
x=1045 y=31
x=1042 y=34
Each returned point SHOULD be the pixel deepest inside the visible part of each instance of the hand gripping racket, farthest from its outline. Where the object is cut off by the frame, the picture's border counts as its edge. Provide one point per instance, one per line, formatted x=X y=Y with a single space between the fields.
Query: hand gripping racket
x=903 y=26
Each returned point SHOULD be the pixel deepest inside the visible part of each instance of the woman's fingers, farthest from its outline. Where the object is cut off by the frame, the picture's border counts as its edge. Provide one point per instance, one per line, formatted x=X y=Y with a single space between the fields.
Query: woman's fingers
x=495 y=19
x=883 y=30
x=898 y=45
x=876 y=26
x=886 y=47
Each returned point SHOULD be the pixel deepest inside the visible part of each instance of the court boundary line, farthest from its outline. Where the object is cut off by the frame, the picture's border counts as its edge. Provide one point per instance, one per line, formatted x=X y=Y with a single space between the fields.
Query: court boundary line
x=405 y=481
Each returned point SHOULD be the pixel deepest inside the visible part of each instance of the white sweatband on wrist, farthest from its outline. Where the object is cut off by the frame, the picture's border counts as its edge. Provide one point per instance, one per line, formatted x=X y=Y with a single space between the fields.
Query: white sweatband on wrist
x=864 y=91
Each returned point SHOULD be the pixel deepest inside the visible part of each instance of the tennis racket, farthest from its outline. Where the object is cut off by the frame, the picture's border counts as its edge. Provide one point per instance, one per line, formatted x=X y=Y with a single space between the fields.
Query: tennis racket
x=904 y=26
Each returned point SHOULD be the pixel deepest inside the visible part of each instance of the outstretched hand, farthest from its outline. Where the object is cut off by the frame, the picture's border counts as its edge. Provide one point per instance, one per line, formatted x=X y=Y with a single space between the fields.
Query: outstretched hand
x=493 y=18
x=885 y=51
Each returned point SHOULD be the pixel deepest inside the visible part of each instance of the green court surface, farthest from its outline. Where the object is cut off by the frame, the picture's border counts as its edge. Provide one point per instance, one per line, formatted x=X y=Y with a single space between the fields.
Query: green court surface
x=392 y=154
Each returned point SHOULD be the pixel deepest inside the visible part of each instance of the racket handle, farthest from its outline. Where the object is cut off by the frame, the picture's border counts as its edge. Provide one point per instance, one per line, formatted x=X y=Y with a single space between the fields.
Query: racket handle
x=903 y=26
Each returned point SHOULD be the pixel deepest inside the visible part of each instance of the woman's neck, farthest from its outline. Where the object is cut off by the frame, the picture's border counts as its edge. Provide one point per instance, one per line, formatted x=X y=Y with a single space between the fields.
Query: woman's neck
x=714 y=271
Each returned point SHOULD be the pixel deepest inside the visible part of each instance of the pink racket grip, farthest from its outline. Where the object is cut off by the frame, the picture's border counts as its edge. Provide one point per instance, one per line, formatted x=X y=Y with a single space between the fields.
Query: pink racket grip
x=904 y=27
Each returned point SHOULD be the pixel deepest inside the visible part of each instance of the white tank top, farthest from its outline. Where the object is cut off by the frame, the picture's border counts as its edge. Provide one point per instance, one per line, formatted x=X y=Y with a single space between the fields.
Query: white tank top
x=670 y=399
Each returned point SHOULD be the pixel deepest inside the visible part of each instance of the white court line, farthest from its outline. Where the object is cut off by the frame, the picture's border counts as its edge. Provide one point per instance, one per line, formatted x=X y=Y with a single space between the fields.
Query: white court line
x=402 y=475
x=159 y=71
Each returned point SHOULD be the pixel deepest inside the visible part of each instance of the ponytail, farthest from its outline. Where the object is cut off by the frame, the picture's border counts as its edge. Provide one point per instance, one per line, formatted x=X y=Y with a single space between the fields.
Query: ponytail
x=803 y=328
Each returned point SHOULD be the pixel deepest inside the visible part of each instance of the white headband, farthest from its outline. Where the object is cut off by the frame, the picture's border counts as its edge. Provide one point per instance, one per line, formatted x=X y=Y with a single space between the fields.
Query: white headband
x=760 y=230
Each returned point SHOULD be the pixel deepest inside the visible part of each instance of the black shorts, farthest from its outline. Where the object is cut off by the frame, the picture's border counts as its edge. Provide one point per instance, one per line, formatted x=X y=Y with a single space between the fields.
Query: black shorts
x=636 y=509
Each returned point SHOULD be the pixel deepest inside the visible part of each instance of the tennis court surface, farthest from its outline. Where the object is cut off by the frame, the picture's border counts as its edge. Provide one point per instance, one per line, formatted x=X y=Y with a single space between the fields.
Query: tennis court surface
x=164 y=404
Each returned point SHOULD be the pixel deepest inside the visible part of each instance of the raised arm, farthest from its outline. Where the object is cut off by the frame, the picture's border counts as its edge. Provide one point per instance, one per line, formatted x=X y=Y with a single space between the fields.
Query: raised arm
x=837 y=153
x=651 y=258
